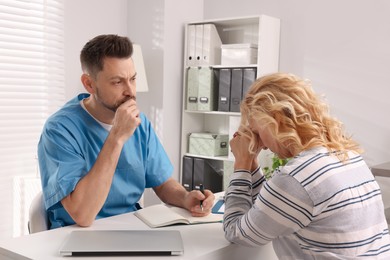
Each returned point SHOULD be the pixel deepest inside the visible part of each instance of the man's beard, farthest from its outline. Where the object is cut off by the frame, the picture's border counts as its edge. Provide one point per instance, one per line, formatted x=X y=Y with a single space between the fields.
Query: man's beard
x=113 y=107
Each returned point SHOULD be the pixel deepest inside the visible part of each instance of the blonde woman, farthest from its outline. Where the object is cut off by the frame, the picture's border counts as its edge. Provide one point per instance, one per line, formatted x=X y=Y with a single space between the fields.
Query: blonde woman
x=324 y=203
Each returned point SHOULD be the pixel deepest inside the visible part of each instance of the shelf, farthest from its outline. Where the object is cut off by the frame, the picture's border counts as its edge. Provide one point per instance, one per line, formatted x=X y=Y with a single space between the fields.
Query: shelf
x=233 y=22
x=214 y=113
x=218 y=158
x=234 y=66
x=227 y=66
x=262 y=31
x=381 y=170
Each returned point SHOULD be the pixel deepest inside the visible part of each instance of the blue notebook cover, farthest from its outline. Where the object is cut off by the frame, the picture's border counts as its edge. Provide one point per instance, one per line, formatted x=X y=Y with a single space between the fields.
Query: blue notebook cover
x=219 y=207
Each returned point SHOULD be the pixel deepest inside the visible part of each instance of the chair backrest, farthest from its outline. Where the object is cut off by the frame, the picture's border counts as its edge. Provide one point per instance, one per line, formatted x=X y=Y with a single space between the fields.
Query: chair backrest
x=37 y=219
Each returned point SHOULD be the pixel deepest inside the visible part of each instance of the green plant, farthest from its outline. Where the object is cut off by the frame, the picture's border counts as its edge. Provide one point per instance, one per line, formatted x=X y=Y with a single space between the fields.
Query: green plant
x=276 y=163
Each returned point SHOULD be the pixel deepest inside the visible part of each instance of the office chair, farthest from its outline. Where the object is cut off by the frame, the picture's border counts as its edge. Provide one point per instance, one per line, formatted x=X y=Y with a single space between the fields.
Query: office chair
x=37 y=217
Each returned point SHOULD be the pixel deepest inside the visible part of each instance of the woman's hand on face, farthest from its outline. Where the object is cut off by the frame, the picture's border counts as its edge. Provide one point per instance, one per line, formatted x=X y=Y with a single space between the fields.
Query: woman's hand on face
x=259 y=146
x=239 y=145
x=244 y=158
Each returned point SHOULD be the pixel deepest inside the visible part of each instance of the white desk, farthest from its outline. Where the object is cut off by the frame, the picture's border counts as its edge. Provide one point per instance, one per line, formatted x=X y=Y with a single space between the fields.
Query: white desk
x=203 y=241
x=381 y=169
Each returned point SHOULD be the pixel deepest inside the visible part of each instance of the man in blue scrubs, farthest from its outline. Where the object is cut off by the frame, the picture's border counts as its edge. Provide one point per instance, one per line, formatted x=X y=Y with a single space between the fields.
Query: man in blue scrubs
x=98 y=153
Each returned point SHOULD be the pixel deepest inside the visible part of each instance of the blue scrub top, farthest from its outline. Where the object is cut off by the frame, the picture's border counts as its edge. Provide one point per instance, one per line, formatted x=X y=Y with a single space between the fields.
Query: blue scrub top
x=69 y=145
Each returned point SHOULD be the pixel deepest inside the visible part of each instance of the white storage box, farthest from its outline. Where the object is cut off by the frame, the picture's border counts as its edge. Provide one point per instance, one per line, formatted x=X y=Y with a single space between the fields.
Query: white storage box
x=209 y=144
x=238 y=54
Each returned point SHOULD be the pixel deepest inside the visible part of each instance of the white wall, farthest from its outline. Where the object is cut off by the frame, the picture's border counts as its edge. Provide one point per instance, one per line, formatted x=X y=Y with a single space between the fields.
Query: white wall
x=158 y=26
x=85 y=19
x=343 y=48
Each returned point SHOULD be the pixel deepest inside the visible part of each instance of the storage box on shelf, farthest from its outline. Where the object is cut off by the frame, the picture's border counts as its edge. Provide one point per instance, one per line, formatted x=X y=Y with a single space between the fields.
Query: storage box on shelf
x=208 y=144
x=238 y=54
x=222 y=59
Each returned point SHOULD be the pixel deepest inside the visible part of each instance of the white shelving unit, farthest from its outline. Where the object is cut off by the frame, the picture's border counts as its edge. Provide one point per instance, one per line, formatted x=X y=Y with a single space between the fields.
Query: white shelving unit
x=263 y=31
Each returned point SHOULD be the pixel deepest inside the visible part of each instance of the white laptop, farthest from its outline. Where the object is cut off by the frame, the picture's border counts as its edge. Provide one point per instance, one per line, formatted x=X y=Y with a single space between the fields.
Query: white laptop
x=122 y=243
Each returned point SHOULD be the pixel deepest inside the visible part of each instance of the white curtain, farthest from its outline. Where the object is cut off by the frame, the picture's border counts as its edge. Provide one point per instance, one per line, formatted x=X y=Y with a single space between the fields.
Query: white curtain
x=31 y=89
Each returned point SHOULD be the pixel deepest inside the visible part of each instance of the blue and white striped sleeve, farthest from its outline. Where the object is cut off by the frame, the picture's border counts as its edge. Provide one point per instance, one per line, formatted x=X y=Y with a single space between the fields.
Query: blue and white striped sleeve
x=281 y=207
x=258 y=180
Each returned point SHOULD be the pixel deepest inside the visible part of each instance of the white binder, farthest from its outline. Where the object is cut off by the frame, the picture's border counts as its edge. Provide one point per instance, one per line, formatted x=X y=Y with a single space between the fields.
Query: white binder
x=191 y=36
x=198 y=43
x=203 y=45
x=211 y=53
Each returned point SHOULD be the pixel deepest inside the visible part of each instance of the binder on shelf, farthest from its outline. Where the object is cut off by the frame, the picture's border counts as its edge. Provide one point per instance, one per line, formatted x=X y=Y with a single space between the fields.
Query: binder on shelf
x=209 y=173
x=198 y=43
x=248 y=77
x=191 y=38
x=188 y=170
x=203 y=45
x=192 y=88
x=224 y=90
x=211 y=48
x=236 y=90
x=206 y=89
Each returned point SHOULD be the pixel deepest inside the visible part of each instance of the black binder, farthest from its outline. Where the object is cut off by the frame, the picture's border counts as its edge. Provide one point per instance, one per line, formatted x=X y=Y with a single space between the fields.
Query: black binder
x=209 y=173
x=224 y=90
x=188 y=170
x=249 y=76
x=236 y=90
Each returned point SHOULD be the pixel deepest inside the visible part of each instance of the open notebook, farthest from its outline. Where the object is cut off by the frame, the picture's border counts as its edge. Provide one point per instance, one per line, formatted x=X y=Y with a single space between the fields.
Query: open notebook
x=160 y=215
x=122 y=243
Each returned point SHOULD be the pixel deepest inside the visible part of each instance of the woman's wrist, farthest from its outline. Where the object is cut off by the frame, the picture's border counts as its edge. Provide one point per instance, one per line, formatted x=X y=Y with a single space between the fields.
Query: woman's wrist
x=245 y=164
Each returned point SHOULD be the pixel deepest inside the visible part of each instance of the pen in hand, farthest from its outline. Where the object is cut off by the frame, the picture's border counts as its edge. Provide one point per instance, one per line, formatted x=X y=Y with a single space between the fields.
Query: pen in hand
x=201 y=188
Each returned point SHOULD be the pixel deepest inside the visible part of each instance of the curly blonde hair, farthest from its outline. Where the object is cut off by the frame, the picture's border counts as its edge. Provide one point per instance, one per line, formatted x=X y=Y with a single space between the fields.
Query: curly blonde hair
x=297 y=118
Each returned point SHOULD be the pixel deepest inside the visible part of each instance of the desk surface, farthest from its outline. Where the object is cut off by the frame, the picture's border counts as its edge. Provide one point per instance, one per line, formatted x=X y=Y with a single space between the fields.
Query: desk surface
x=381 y=169
x=203 y=241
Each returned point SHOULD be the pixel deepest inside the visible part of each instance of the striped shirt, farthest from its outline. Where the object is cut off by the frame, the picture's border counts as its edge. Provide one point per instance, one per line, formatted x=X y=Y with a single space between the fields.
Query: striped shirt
x=315 y=207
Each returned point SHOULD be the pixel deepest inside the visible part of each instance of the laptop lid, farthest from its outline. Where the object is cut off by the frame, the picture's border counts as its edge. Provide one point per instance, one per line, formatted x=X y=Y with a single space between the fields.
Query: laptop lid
x=122 y=243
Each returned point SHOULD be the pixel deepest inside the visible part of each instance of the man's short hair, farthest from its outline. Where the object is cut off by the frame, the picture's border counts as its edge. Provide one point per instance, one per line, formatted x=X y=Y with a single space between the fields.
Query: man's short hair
x=108 y=45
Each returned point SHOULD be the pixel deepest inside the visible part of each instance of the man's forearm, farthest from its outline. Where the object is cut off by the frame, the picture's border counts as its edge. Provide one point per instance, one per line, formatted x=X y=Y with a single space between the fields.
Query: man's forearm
x=84 y=203
x=172 y=192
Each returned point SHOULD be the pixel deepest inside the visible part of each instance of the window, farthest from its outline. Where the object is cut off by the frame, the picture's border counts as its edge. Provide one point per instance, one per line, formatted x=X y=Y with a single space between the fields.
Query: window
x=31 y=89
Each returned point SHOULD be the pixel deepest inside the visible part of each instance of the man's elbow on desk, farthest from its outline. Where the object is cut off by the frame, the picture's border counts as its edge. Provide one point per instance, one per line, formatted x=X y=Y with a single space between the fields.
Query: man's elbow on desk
x=81 y=217
x=82 y=221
